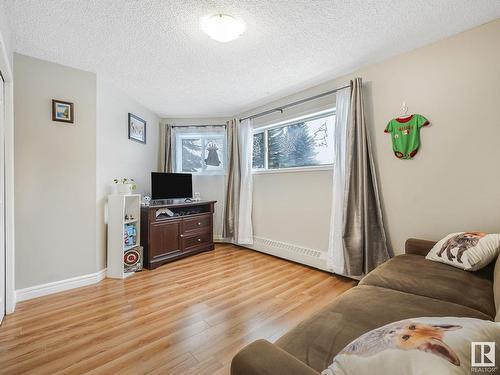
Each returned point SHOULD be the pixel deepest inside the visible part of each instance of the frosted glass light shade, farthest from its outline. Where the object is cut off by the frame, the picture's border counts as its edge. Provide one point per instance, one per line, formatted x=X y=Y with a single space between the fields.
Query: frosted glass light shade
x=222 y=28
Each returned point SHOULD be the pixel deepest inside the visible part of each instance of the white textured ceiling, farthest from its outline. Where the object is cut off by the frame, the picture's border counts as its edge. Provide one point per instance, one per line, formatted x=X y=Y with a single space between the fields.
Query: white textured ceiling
x=155 y=52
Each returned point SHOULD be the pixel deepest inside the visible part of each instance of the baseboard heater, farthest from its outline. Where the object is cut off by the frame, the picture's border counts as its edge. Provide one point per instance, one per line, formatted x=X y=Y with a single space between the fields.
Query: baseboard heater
x=310 y=257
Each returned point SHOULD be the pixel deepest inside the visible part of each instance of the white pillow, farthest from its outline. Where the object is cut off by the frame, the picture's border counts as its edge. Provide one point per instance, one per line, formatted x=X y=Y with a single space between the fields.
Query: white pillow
x=469 y=251
x=419 y=346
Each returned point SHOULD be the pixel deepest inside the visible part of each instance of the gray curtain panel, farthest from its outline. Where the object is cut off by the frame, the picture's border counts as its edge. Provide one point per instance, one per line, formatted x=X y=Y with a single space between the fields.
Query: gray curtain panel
x=365 y=242
x=233 y=181
x=166 y=162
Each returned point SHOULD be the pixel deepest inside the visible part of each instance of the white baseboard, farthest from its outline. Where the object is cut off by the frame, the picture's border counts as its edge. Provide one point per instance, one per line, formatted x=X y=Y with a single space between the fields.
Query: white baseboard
x=310 y=257
x=59 y=286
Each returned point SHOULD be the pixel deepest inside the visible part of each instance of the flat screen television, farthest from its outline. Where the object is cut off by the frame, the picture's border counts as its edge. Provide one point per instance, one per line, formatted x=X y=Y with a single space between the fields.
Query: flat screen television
x=171 y=185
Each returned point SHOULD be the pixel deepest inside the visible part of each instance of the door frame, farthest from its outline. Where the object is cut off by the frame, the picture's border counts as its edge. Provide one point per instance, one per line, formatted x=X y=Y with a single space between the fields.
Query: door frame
x=3 y=271
x=7 y=73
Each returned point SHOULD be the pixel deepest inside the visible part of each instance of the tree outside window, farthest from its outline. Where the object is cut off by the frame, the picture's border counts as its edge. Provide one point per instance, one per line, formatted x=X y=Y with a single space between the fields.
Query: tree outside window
x=304 y=143
x=202 y=153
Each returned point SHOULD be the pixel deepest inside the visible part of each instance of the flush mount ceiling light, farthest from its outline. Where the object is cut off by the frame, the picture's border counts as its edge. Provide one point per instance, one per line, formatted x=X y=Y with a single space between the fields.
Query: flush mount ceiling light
x=222 y=27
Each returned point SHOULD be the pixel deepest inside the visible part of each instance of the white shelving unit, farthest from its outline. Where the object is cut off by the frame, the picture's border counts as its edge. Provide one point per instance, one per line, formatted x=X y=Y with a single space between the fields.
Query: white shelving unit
x=118 y=207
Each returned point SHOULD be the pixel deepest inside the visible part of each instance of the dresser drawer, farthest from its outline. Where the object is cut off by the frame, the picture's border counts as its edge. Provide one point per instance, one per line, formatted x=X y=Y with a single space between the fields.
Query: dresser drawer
x=202 y=222
x=195 y=241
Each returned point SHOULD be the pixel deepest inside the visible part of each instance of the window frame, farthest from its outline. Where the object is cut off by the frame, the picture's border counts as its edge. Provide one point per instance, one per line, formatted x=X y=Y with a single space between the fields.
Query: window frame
x=202 y=136
x=265 y=129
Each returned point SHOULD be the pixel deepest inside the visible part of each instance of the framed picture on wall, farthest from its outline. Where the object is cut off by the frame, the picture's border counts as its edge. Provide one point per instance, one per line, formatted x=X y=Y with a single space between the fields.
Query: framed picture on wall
x=62 y=111
x=136 y=128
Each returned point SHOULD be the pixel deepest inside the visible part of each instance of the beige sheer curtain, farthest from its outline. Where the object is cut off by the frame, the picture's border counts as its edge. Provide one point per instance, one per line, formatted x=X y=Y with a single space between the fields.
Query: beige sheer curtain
x=365 y=242
x=166 y=162
x=238 y=210
x=335 y=254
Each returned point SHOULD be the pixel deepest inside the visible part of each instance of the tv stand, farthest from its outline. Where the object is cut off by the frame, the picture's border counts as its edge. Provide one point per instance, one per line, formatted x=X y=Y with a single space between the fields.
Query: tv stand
x=168 y=202
x=174 y=229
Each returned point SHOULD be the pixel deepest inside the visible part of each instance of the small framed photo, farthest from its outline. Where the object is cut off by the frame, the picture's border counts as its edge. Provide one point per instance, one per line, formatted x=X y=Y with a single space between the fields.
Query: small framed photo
x=62 y=111
x=136 y=128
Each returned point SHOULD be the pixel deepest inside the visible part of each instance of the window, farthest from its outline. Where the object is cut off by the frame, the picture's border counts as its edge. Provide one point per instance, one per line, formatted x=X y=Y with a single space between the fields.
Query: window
x=301 y=143
x=259 y=151
x=200 y=152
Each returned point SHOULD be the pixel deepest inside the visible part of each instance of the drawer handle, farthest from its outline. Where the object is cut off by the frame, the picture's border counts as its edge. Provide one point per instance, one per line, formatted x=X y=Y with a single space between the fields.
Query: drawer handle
x=199 y=223
x=182 y=235
x=199 y=239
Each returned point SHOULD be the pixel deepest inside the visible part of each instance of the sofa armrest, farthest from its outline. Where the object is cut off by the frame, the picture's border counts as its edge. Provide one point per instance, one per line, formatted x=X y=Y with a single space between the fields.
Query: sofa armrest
x=418 y=247
x=263 y=358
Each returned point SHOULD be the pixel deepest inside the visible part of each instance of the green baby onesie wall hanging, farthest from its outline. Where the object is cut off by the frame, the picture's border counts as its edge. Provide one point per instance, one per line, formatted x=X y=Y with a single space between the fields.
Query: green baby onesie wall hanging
x=405 y=134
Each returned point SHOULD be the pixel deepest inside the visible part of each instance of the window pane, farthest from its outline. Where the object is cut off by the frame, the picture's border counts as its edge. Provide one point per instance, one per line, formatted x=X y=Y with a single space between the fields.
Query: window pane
x=258 y=160
x=301 y=144
x=191 y=155
x=200 y=153
x=322 y=132
x=214 y=154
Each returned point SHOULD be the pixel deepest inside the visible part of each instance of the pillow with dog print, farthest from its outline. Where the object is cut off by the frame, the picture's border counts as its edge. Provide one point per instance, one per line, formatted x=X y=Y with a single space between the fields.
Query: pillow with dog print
x=469 y=251
x=422 y=346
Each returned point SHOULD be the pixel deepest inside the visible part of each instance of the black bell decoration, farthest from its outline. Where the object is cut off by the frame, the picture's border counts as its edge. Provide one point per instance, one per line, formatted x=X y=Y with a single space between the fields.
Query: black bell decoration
x=213 y=156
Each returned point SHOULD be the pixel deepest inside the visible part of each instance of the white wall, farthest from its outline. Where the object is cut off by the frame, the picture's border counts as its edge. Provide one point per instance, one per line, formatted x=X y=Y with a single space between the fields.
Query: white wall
x=54 y=173
x=451 y=185
x=118 y=156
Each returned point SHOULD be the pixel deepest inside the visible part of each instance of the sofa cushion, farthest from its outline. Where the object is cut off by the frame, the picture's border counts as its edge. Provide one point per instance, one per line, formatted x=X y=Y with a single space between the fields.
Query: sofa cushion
x=470 y=251
x=414 y=274
x=427 y=345
x=318 y=339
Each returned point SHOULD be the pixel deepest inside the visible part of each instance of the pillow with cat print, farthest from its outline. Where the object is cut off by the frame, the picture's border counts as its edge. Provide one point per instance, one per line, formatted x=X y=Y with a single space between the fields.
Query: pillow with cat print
x=421 y=346
x=469 y=251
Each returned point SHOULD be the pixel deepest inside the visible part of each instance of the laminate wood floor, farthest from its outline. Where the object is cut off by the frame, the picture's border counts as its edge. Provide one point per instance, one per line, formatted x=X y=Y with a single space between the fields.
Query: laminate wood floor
x=187 y=317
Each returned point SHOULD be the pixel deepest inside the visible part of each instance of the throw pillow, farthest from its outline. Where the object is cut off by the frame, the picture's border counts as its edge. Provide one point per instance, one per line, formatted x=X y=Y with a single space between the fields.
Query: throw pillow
x=421 y=346
x=469 y=251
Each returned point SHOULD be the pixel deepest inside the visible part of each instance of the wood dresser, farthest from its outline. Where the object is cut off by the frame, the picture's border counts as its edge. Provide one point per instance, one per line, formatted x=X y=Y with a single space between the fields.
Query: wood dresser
x=166 y=238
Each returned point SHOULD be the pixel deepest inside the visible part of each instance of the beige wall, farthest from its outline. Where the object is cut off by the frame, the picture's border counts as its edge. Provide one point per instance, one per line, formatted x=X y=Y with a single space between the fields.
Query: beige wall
x=195 y=121
x=61 y=169
x=292 y=208
x=451 y=185
x=54 y=173
x=118 y=156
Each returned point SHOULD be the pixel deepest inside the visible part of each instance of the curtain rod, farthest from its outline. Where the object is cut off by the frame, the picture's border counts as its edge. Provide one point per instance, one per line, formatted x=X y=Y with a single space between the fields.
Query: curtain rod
x=280 y=109
x=198 y=126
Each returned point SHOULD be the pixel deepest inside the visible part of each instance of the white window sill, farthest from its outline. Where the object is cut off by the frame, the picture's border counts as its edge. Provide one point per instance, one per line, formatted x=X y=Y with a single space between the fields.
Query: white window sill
x=317 y=168
x=194 y=174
